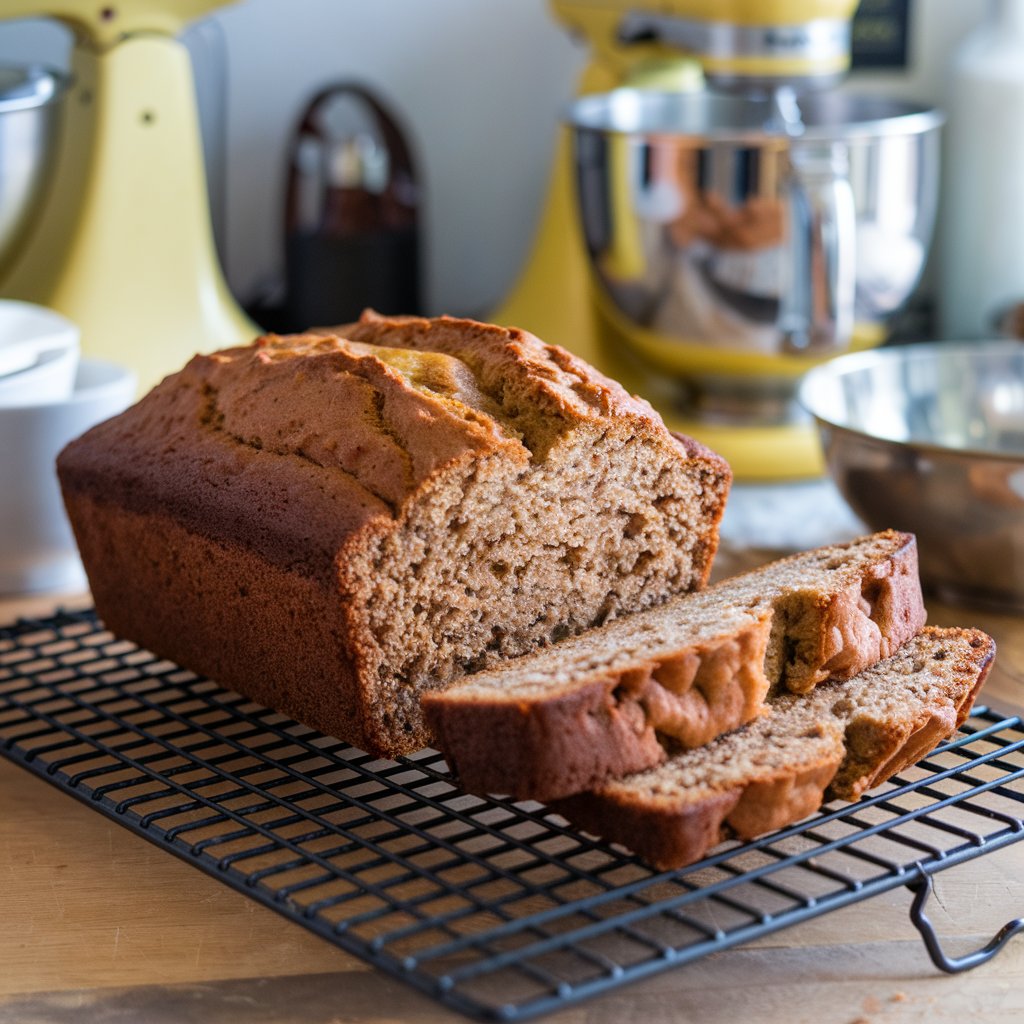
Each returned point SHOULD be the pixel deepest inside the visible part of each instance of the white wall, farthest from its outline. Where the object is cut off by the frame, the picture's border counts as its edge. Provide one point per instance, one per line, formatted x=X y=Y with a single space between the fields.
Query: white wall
x=479 y=86
x=479 y=83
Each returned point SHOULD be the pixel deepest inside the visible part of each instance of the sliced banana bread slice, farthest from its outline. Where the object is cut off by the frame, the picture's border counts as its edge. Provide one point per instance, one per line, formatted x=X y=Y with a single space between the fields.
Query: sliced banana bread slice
x=836 y=742
x=603 y=703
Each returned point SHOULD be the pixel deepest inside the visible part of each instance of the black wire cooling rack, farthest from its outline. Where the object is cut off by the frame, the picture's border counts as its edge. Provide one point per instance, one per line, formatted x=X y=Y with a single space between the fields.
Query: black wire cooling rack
x=498 y=910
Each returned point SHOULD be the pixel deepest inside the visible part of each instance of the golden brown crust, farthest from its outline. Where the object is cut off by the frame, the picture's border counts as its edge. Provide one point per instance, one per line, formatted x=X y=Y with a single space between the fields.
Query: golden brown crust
x=511 y=364
x=712 y=688
x=769 y=804
x=171 y=454
x=665 y=835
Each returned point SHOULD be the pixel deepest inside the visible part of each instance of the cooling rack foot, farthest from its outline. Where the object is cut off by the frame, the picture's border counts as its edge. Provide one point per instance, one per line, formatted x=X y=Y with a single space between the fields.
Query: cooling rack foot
x=922 y=889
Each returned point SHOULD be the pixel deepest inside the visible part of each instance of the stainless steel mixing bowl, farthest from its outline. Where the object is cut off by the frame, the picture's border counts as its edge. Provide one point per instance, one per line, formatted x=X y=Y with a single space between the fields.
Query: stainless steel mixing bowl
x=930 y=439
x=729 y=241
x=29 y=118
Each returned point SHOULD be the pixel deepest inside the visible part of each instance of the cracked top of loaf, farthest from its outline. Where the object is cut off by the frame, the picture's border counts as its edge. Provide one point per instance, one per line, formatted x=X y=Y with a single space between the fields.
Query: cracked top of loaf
x=384 y=405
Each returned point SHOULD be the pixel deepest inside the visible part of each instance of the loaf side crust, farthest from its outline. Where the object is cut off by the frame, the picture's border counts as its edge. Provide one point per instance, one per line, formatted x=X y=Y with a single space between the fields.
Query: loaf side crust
x=266 y=632
x=662 y=835
x=669 y=835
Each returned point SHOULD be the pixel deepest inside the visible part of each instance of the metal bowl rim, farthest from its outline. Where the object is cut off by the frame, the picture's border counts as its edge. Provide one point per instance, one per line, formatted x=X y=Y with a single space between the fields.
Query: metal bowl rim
x=43 y=85
x=915 y=119
x=856 y=361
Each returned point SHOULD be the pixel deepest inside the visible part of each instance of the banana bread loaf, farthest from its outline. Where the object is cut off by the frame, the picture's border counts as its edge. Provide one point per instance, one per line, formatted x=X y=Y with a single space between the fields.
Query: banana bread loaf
x=331 y=523
x=603 y=703
x=836 y=743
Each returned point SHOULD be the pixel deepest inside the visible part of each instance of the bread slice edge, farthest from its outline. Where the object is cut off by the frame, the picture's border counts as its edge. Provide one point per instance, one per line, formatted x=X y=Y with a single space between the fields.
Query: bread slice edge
x=672 y=829
x=548 y=743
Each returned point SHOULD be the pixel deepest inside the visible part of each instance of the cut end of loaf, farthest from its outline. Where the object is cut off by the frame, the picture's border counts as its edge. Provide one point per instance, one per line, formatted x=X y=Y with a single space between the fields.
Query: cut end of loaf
x=601 y=511
x=509 y=558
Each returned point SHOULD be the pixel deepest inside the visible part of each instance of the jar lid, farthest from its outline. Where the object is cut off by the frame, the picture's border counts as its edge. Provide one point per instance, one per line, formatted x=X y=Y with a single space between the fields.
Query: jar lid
x=23 y=87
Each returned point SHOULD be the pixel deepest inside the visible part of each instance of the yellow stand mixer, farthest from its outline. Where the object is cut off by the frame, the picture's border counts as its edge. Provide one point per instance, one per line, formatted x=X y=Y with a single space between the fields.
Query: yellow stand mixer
x=754 y=47
x=123 y=244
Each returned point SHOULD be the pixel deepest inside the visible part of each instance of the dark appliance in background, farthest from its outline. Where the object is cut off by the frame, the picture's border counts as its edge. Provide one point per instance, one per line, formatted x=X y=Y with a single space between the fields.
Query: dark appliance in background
x=351 y=224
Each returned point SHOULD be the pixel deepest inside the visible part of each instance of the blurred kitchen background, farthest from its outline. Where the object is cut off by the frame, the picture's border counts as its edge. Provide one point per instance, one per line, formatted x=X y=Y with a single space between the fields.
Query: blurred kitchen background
x=478 y=89
x=417 y=154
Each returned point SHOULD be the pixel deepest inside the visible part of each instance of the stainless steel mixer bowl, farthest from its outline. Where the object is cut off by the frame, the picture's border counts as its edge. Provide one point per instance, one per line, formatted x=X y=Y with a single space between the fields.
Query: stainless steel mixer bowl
x=29 y=118
x=930 y=439
x=708 y=222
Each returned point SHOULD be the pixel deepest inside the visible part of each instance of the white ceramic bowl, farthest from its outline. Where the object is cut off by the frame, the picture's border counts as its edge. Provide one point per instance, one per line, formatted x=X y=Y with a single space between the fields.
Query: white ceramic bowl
x=38 y=354
x=37 y=547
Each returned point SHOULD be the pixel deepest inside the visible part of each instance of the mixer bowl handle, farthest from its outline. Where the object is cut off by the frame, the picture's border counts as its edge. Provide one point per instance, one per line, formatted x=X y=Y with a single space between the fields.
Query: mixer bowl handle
x=818 y=312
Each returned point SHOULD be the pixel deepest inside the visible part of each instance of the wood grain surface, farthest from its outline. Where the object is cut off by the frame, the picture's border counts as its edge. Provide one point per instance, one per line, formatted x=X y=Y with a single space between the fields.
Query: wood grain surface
x=100 y=926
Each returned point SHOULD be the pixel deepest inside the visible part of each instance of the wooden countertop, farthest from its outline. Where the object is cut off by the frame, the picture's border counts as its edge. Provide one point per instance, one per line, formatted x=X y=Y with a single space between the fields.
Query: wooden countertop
x=99 y=925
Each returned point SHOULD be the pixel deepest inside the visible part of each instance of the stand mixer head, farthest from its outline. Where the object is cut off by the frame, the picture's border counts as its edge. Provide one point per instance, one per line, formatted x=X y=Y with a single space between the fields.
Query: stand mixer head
x=752 y=46
x=122 y=244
